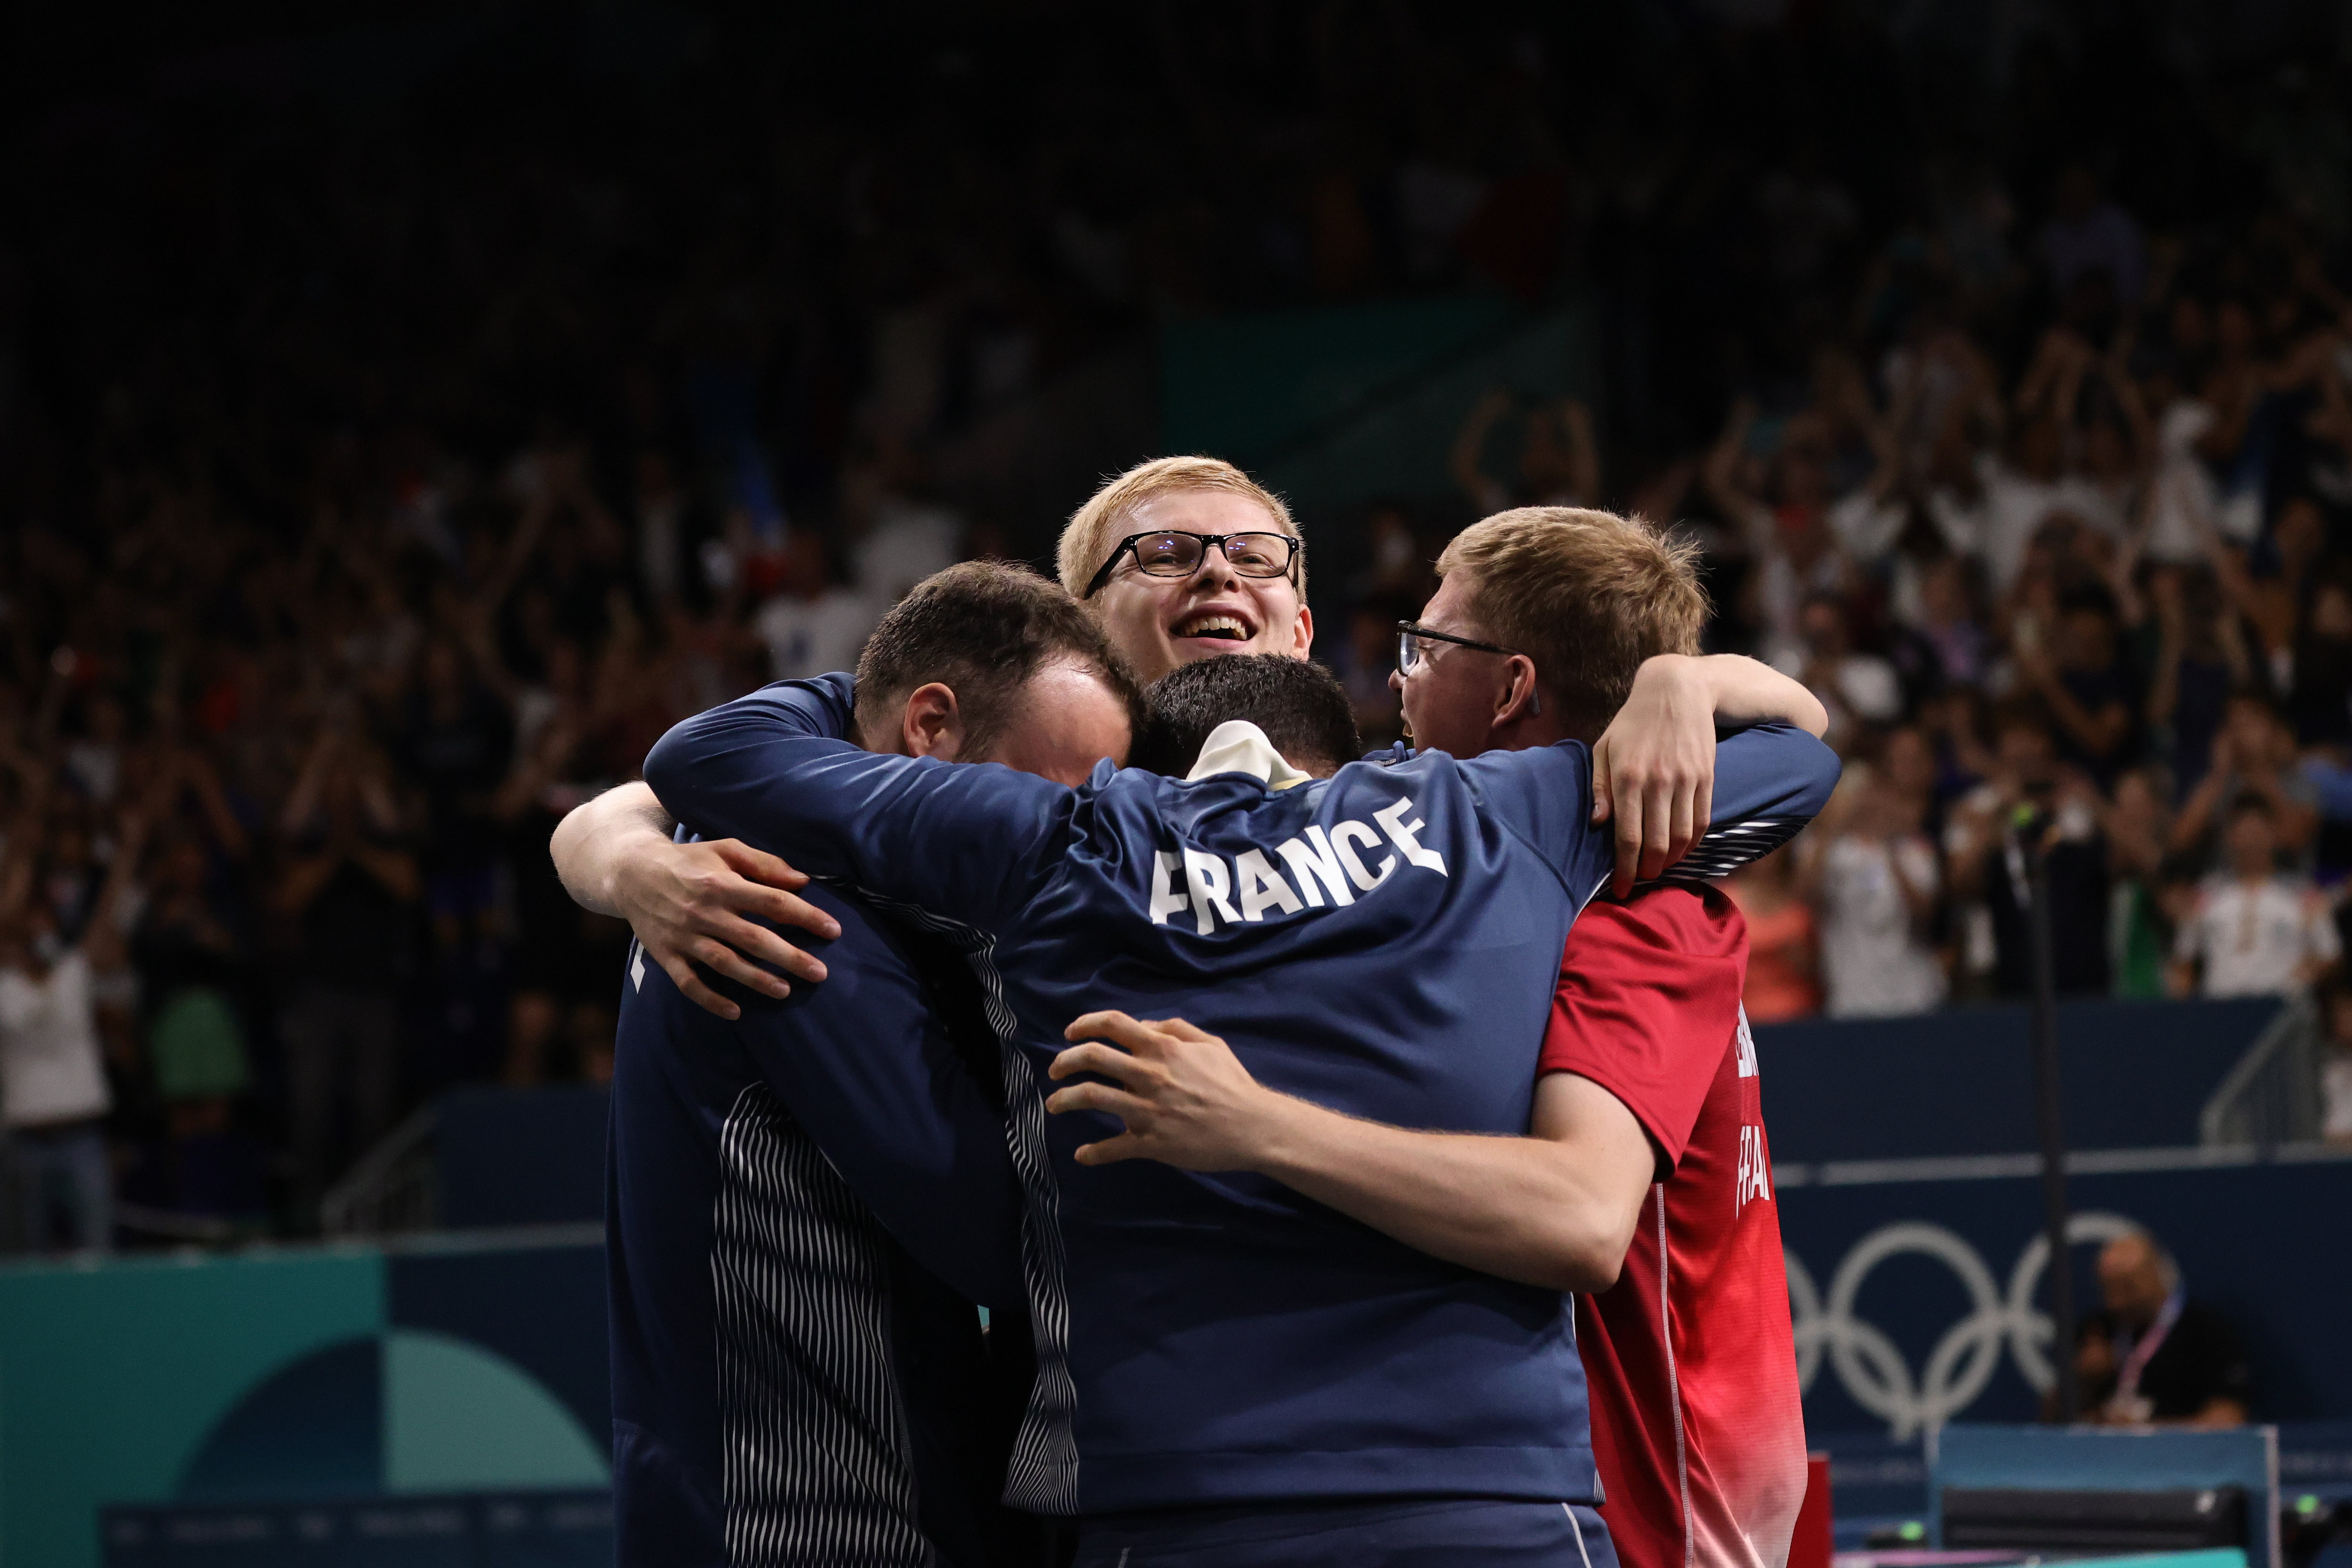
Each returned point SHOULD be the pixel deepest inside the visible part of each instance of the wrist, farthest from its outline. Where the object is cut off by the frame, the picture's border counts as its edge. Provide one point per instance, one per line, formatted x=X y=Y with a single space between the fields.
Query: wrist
x=1274 y=1134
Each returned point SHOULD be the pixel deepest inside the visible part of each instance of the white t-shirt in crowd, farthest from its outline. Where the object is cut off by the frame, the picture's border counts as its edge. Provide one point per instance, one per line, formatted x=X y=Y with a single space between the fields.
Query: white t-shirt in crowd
x=815 y=637
x=50 y=1067
x=2012 y=507
x=2181 y=500
x=1872 y=965
x=2254 y=937
x=1866 y=526
x=906 y=543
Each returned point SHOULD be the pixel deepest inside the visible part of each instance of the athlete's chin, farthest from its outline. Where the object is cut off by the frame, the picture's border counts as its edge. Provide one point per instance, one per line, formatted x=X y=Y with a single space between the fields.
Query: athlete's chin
x=1189 y=650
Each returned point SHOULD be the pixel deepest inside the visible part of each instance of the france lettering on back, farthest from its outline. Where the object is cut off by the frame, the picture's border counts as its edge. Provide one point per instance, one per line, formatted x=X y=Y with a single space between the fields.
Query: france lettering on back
x=1320 y=864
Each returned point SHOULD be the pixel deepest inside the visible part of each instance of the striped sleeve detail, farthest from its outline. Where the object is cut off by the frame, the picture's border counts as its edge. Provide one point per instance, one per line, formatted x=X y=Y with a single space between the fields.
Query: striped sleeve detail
x=816 y=1464
x=1043 y=1476
x=1723 y=848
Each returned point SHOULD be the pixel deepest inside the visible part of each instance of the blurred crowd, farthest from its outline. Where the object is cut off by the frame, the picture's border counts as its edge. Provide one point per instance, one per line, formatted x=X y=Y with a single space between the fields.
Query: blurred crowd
x=2091 y=609
x=399 y=430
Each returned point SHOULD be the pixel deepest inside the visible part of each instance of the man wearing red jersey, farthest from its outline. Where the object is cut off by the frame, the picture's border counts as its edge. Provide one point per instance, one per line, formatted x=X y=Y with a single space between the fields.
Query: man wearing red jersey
x=1697 y=1419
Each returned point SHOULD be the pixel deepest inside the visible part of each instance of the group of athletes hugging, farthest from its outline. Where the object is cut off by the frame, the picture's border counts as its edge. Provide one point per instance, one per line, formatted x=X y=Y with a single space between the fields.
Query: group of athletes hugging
x=1329 y=1198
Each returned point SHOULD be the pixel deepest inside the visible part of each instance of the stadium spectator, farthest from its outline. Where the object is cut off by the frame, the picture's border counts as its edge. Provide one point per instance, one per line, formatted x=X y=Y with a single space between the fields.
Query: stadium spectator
x=53 y=1090
x=2252 y=755
x=2086 y=688
x=2201 y=659
x=815 y=626
x=2255 y=930
x=2141 y=885
x=193 y=957
x=2150 y=1356
x=1782 y=962
x=1877 y=877
x=349 y=884
x=2029 y=806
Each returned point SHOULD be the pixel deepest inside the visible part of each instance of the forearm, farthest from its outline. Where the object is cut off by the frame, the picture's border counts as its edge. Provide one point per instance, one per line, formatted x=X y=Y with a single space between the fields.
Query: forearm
x=596 y=838
x=1512 y=1207
x=1742 y=690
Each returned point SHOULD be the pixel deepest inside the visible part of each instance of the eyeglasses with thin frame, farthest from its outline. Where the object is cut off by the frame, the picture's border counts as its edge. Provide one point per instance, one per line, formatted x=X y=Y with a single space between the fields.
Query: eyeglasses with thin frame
x=1167 y=553
x=1413 y=640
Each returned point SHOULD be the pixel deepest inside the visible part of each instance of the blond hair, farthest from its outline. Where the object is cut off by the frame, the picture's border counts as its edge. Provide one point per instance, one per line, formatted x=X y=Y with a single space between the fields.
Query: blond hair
x=1094 y=527
x=1587 y=595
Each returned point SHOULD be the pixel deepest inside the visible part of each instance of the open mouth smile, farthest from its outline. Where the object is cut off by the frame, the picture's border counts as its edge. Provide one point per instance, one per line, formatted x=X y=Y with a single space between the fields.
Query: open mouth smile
x=1215 y=625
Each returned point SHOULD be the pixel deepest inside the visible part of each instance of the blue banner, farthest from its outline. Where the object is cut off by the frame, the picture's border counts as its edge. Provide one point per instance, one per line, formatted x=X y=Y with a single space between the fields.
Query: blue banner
x=1918 y=1302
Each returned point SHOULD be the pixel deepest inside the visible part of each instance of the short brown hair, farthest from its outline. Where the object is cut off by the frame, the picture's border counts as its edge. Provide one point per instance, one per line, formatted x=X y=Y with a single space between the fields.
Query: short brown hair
x=1087 y=538
x=1587 y=595
x=982 y=629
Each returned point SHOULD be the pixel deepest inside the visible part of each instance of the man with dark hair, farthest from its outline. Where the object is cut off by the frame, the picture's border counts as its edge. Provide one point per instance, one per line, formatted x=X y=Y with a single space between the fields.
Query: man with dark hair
x=799 y=1223
x=2031 y=804
x=1299 y=706
x=983 y=630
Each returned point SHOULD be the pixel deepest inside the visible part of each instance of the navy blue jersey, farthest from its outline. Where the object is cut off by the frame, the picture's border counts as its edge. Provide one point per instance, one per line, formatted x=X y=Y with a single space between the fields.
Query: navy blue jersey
x=1385 y=943
x=802 y=1207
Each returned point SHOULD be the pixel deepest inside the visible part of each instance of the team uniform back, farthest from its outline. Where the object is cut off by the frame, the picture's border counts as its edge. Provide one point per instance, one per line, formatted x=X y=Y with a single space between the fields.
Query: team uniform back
x=799 y=1375
x=1383 y=943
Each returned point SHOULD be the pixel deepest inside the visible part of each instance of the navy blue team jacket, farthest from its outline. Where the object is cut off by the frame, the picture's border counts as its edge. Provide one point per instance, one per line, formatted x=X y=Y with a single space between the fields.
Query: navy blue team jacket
x=1384 y=942
x=802 y=1207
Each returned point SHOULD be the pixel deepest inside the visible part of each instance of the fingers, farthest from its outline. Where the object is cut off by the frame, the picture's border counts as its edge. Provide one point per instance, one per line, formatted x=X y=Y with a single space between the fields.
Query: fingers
x=1680 y=833
x=1110 y=1150
x=1657 y=827
x=768 y=903
x=1116 y=1027
x=760 y=865
x=759 y=942
x=1095 y=1058
x=696 y=992
x=725 y=961
x=1104 y=1097
x=1629 y=843
x=1703 y=801
x=730 y=889
x=1603 y=758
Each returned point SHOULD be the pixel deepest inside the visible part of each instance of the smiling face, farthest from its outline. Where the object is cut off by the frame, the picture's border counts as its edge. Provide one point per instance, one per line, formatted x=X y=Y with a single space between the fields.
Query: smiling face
x=1160 y=623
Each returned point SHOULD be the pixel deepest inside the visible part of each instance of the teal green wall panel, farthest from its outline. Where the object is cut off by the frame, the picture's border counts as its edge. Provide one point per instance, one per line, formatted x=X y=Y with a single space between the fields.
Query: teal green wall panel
x=111 y=1376
x=461 y=1418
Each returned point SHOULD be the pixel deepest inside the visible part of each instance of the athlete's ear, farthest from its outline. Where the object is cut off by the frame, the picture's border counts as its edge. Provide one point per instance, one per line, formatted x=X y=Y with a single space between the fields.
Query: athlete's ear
x=1517 y=698
x=932 y=724
x=1302 y=633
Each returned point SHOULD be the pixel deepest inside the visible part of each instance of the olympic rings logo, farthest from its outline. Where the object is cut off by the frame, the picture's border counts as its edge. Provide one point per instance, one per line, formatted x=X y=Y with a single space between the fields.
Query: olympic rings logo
x=1870 y=1366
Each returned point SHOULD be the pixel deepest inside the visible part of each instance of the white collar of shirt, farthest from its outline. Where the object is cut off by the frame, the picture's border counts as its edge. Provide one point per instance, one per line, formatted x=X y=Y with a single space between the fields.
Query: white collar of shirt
x=1238 y=746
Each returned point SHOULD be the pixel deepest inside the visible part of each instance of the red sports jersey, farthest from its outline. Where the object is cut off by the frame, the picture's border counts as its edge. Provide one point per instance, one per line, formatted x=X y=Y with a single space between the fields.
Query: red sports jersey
x=1697 y=1422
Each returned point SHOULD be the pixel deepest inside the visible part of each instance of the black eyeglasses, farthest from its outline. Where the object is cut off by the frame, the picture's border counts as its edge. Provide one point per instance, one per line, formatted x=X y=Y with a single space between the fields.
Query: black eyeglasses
x=1412 y=636
x=1413 y=640
x=1171 y=555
